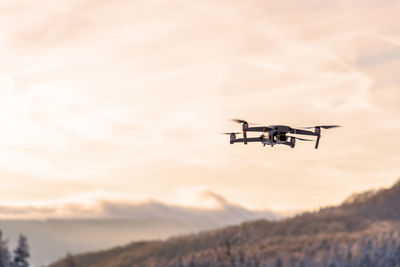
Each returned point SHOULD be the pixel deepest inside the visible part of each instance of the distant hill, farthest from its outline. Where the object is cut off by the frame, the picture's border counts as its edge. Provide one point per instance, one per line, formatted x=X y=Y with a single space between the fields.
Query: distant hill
x=376 y=204
x=362 y=231
x=51 y=239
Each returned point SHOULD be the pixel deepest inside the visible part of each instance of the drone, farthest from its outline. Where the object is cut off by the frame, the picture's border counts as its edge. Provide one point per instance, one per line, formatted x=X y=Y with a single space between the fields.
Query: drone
x=277 y=134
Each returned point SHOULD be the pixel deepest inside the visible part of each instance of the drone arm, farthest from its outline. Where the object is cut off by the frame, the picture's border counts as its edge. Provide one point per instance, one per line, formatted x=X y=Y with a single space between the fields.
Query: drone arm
x=252 y=139
x=258 y=129
x=303 y=132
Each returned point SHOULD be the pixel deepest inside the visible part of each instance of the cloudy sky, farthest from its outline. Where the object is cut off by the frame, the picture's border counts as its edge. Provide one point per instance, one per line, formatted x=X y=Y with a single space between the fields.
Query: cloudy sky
x=126 y=99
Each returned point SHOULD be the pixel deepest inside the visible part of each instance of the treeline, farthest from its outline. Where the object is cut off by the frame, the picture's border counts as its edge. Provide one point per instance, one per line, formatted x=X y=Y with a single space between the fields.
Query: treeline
x=365 y=251
x=362 y=232
x=19 y=257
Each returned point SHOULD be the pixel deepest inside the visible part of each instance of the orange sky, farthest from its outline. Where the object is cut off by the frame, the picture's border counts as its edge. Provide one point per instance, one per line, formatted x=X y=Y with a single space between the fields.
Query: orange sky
x=126 y=100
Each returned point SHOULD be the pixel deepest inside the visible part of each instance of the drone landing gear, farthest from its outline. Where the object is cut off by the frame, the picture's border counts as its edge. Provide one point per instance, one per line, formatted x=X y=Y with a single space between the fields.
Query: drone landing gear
x=292 y=142
x=317 y=131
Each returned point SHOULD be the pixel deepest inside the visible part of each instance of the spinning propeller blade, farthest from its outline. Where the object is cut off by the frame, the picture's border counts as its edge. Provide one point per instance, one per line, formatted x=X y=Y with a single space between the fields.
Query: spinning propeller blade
x=238 y=121
x=302 y=139
x=243 y=121
x=231 y=133
x=322 y=126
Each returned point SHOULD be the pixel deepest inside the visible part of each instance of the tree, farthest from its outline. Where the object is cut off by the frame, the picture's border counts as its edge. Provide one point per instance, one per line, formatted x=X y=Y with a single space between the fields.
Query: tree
x=21 y=253
x=69 y=261
x=5 y=257
x=278 y=262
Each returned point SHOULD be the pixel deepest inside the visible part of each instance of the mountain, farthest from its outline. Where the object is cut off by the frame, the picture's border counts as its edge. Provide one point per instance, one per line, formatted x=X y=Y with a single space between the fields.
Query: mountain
x=118 y=224
x=363 y=231
x=375 y=204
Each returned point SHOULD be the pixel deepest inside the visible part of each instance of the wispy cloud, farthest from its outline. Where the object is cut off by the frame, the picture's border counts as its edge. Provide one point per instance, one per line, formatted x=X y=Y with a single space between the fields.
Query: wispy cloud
x=96 y=206
x=129 y=97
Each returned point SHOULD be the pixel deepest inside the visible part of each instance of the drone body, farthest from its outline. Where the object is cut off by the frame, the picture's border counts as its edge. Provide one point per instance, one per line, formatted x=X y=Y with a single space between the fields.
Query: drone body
x=277 y=134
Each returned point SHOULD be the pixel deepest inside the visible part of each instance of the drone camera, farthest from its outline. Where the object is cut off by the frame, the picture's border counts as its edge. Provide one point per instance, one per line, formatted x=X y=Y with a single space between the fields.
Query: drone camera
x=282 y=138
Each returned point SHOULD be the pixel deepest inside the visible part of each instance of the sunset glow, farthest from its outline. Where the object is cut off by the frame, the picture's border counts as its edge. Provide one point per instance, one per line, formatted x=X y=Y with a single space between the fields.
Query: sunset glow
x=126 y=100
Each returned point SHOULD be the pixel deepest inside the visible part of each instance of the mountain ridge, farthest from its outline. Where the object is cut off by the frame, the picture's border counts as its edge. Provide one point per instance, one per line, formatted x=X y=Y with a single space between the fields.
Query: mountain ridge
x=121 y=222
x=372 y=213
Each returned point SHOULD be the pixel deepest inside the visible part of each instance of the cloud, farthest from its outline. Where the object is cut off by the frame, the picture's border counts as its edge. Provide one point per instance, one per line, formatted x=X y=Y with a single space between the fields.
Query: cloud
x=150 y=210
x=129 y=97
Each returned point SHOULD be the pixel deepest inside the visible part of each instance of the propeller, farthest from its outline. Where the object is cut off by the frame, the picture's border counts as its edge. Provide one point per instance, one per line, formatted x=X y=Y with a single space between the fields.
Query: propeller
x=322 y=126
x=231 y=133
x=238 y=121
x=243 y=121
x=302 y=139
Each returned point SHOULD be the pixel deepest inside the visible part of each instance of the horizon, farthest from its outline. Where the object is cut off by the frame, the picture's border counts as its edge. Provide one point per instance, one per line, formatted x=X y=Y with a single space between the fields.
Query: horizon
x=125 y=101
x=99 y=207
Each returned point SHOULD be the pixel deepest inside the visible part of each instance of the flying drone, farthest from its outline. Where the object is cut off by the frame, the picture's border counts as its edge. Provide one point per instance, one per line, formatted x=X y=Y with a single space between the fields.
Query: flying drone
x=277 y=134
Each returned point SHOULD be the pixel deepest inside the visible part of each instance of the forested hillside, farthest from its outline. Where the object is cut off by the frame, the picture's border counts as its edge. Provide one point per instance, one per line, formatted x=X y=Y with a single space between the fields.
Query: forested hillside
x=363 y=231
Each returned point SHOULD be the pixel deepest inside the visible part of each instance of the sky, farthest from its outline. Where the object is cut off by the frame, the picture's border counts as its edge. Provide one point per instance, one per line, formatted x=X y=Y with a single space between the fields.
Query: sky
x=125 y=101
